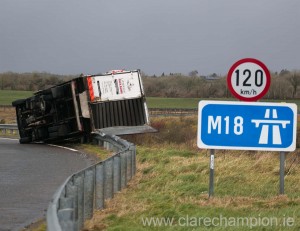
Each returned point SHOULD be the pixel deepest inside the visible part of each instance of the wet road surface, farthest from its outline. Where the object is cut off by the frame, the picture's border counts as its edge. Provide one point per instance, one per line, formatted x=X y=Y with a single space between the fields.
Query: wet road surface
x=29 y=176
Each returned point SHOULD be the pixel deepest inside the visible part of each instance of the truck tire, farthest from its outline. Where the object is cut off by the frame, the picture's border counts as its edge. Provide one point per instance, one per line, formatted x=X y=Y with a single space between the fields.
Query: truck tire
x=59 y=130
x=53 y=135
x=24 y=140
x=42 y=133
x=53 y=129
x=47 y=97
x=18 y=102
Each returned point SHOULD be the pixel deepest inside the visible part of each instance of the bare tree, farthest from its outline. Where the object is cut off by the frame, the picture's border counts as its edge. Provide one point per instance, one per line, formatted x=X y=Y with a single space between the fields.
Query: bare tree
x=294 y=80
x=193 y=73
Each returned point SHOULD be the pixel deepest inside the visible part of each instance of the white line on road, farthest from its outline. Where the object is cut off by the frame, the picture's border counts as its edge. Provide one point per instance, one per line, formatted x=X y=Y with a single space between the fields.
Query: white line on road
x=58 y=146
x=2 y=138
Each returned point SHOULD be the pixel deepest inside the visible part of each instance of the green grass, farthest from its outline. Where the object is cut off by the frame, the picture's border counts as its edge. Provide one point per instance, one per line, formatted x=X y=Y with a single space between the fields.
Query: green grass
x=8 y=96
x=93 y=150
x=172 y=183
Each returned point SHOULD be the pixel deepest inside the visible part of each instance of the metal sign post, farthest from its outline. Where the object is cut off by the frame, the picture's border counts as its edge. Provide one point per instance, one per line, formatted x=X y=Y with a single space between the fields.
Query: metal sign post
x=247 y=126
x=282 y=170
x=253 y=126
x=211 y=173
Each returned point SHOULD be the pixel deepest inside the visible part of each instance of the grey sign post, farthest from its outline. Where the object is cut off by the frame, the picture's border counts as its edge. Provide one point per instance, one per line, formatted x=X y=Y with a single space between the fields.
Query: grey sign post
x=257 y=126
x=282 y=170
x=211 y=173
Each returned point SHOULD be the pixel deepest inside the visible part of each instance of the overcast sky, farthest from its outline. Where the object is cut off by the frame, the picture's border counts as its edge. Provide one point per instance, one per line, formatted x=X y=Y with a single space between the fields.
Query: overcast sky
x=92 y=36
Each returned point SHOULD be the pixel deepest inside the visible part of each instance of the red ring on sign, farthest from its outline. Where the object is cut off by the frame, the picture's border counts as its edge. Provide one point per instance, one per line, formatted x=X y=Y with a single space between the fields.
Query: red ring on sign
x=249 y=60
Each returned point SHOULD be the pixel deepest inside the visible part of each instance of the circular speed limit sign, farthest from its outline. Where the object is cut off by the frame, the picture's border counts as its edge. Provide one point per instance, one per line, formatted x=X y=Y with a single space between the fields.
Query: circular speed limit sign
x=248 y=79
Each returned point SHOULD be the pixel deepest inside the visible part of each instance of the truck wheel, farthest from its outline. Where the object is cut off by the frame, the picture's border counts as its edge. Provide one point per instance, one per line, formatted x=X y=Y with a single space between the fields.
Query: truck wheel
x=18 y=102
x=53 y=135
x=47 y=97
x=24 y=140
x=60 y=130
x=42 y=133
x=53 y=129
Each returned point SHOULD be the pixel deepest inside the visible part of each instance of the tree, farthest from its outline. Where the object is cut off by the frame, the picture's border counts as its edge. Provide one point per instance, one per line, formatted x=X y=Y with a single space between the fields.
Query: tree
x=193 y=73
x=294 y=80
x=284 y=72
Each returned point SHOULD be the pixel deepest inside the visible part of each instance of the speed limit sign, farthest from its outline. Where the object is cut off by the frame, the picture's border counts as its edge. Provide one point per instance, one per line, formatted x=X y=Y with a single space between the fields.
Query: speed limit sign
x=248 y=79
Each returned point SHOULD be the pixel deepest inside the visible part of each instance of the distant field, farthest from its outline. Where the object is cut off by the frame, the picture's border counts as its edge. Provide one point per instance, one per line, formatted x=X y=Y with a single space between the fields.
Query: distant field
x=157 y=102
x=189 y=103
x=8 y=96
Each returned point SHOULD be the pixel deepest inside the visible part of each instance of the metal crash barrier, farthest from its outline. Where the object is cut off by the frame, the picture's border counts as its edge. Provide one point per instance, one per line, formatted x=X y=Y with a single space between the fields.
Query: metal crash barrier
x=86 y=190
x=9 y=129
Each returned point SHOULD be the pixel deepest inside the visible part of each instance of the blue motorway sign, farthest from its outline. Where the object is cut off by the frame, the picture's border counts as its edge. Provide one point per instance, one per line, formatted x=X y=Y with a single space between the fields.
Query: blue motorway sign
x=247 y=125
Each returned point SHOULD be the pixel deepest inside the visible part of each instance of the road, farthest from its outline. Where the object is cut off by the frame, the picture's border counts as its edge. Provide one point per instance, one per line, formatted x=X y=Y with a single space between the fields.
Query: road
x=29 y=176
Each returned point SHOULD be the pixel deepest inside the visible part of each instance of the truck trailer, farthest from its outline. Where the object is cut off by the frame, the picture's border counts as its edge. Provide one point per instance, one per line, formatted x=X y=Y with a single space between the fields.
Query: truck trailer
x=112 y=103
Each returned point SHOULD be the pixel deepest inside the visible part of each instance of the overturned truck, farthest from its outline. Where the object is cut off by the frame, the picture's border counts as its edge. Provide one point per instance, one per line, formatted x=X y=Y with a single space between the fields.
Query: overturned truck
x=112 y=103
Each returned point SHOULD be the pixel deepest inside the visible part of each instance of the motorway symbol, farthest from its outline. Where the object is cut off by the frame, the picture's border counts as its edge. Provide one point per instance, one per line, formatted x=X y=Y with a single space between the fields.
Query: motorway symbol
x=247 y=126
x=248 y=79
x=265 y=127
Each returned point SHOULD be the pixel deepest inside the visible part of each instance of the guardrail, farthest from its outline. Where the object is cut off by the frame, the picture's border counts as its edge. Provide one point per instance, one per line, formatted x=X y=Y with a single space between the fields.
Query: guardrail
x=172 y=111
x=84 y=191
x=9 y=129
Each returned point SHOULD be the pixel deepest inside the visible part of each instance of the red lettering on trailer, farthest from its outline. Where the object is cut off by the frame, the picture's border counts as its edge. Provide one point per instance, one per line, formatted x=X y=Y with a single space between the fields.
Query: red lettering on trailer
x=120 y=86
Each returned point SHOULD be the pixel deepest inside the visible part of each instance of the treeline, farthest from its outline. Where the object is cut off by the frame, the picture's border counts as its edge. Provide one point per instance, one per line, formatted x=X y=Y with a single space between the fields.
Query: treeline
x=185 y=86
x=284 y=85
x=30 y=81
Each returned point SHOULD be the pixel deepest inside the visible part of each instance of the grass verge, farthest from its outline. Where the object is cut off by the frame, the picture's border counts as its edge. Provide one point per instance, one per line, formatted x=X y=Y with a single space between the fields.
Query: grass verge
x=37 y=226
x=170 y=190
x=172 y=183
x=94 y=151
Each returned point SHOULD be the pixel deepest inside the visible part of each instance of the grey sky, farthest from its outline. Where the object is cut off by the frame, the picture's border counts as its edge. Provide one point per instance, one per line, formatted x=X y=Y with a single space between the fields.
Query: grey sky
x=92 y=36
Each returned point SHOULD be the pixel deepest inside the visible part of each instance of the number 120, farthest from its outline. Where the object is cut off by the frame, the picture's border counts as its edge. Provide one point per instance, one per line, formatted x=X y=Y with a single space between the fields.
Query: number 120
x=258 y=78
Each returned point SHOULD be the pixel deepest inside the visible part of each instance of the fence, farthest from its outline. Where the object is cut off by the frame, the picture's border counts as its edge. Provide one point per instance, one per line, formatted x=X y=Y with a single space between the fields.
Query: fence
x=9 y=129
x=155 y=112
x=86 y=190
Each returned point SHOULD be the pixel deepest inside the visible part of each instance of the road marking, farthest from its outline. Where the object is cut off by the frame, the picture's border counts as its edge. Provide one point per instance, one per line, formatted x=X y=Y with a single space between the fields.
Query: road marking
x=58 y=146
x=53 y=145
x=2 y=138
